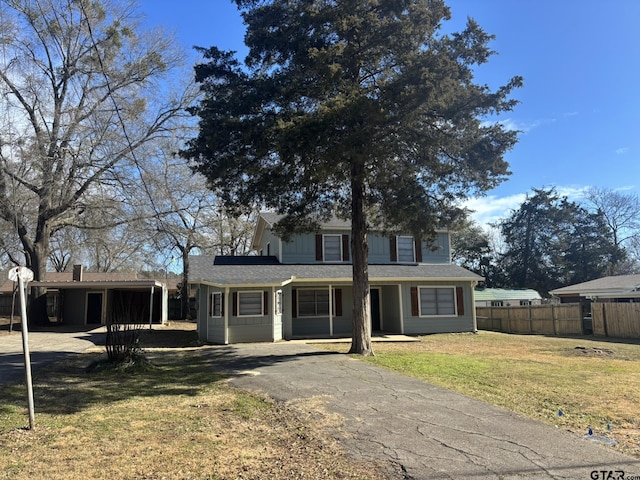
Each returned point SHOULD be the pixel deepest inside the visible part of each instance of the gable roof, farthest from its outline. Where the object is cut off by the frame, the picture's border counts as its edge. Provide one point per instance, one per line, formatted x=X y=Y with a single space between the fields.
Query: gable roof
x=491 y=294
x=204 y=270
x=613 y=286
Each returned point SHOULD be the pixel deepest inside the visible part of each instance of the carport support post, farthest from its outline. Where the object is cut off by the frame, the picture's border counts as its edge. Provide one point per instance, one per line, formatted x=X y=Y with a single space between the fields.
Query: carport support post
x=151 y=308
x=27 y=357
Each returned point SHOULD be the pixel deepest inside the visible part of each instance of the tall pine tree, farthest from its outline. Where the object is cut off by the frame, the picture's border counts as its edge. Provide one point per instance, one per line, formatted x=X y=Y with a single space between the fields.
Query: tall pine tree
x=359 y=108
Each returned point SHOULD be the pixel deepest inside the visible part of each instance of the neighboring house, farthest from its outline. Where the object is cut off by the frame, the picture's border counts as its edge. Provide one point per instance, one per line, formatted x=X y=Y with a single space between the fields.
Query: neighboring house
x=85 y=298
x=620 y=288
x=303 y=288
x=504 y=297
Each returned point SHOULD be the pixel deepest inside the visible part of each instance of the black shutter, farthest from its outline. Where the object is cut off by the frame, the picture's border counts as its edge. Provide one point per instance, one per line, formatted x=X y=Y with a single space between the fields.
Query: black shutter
x=415 y=311
x=345 y=248
x=319 y=248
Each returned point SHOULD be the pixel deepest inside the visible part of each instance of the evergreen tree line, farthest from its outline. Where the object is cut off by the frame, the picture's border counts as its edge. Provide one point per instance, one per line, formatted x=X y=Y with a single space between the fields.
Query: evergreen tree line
x=550 y=242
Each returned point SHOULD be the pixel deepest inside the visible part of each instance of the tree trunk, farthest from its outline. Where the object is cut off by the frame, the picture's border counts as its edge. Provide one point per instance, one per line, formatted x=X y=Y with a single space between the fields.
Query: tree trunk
x=361 y=334
x=37 y=263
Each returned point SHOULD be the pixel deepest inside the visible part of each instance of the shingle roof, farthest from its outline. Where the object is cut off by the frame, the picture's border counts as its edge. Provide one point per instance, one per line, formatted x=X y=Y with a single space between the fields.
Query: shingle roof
x=605 y=285
x=203 y=270
x=272 y=218
x=489 y=294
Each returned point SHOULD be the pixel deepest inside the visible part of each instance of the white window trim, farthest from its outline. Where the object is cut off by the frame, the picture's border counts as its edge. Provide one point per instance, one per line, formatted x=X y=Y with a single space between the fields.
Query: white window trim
x=278 y=298
x=324 y=256
x=319 y=289
x=261 y=314
x=211 y=309
x=455 y=301
x=413 y=247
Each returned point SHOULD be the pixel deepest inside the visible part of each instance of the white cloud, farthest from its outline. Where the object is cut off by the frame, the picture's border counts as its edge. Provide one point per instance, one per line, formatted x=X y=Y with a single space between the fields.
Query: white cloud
x=489 y=209
x=622 y=150
x=525 y=127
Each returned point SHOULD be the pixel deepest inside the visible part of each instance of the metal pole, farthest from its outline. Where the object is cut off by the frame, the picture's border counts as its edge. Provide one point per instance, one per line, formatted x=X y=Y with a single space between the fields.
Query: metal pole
x=27 y=357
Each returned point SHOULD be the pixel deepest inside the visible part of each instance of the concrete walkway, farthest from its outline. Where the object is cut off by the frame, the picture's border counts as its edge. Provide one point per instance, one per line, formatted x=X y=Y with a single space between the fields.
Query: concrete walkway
x=420 y=431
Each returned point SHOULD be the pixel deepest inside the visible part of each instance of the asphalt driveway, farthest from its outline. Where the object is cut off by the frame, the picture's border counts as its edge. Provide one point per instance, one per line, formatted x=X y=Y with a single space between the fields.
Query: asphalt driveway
x=46 y=346
x=418 y=430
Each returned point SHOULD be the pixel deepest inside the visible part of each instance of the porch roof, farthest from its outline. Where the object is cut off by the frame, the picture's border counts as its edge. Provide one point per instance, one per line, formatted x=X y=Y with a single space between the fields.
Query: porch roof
x=121 y=285
x=204 y=271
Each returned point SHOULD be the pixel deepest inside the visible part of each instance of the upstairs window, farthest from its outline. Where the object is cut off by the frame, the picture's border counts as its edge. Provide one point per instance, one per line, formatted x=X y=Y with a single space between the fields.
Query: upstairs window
x=332 y=248
x=406 y=252
x=405 y=249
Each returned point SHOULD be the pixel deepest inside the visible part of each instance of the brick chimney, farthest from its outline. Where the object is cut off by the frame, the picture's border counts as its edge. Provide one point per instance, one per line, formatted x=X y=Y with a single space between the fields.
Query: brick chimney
x=77 y=273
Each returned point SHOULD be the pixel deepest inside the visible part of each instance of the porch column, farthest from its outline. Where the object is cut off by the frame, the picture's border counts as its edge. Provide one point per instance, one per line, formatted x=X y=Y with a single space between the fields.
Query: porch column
x=473 y=307
x=401 y=310
x=330 y=312
x=227 y=306
x=151 y=308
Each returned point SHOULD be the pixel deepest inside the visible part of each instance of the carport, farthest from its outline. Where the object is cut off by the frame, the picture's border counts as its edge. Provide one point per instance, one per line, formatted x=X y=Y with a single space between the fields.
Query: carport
x=94 y=302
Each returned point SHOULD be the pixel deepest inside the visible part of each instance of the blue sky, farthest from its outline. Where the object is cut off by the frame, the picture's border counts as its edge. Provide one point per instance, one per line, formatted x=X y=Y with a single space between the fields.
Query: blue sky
x=579 y=108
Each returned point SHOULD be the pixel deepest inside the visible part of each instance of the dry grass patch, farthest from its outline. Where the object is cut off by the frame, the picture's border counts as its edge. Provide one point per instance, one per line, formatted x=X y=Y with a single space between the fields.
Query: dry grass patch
x=594 y=383
x=172 y=418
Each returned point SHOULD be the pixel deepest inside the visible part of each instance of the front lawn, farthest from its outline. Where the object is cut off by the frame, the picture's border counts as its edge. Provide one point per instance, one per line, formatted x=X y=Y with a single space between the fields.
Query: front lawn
x=173 y=418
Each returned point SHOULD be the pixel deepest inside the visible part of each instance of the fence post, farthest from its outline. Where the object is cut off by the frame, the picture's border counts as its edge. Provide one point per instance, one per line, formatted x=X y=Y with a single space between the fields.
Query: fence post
x=604 y=318
x=530 y=319
x=553 y=319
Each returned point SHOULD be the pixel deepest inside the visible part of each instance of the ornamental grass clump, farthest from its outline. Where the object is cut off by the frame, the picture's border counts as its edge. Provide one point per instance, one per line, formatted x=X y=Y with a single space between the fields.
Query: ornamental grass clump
x=123 y=334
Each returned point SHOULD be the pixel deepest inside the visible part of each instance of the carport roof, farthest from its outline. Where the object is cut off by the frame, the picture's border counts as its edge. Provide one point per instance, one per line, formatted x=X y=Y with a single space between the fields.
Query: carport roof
x=203 y=270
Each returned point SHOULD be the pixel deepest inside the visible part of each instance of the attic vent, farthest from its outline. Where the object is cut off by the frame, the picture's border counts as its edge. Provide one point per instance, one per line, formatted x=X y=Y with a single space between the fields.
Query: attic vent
x=77 y=273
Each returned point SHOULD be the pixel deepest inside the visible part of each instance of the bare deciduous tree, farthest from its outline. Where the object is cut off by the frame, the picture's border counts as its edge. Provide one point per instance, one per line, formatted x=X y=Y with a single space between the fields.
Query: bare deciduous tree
x=81 y=91
x=621 y=212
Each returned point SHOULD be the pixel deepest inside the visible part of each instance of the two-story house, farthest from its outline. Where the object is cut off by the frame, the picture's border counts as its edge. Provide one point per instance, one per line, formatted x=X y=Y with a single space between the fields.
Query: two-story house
x=303 y=288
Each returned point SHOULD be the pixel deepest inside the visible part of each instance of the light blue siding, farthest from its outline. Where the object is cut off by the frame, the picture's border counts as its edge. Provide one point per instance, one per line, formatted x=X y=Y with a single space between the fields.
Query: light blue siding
x=302 y=249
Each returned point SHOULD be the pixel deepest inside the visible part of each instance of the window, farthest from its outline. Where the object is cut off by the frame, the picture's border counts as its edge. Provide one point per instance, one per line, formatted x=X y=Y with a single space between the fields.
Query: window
x=437 y=301
x=406 y=251
x=278 y=300
x=215 y=305
x=250 y=304
x=313 y=303
x=497 y=303
x=525 y=303
x=332 y=248
x=309 y=302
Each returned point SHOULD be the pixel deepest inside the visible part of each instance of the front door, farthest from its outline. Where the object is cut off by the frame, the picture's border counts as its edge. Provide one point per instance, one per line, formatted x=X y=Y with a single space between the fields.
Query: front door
x=94 y=307
x=374 y=298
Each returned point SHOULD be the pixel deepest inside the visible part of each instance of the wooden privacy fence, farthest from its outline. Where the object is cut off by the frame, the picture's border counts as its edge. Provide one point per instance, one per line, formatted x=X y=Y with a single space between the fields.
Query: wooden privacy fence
x=621 y=320
x=564 y=319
